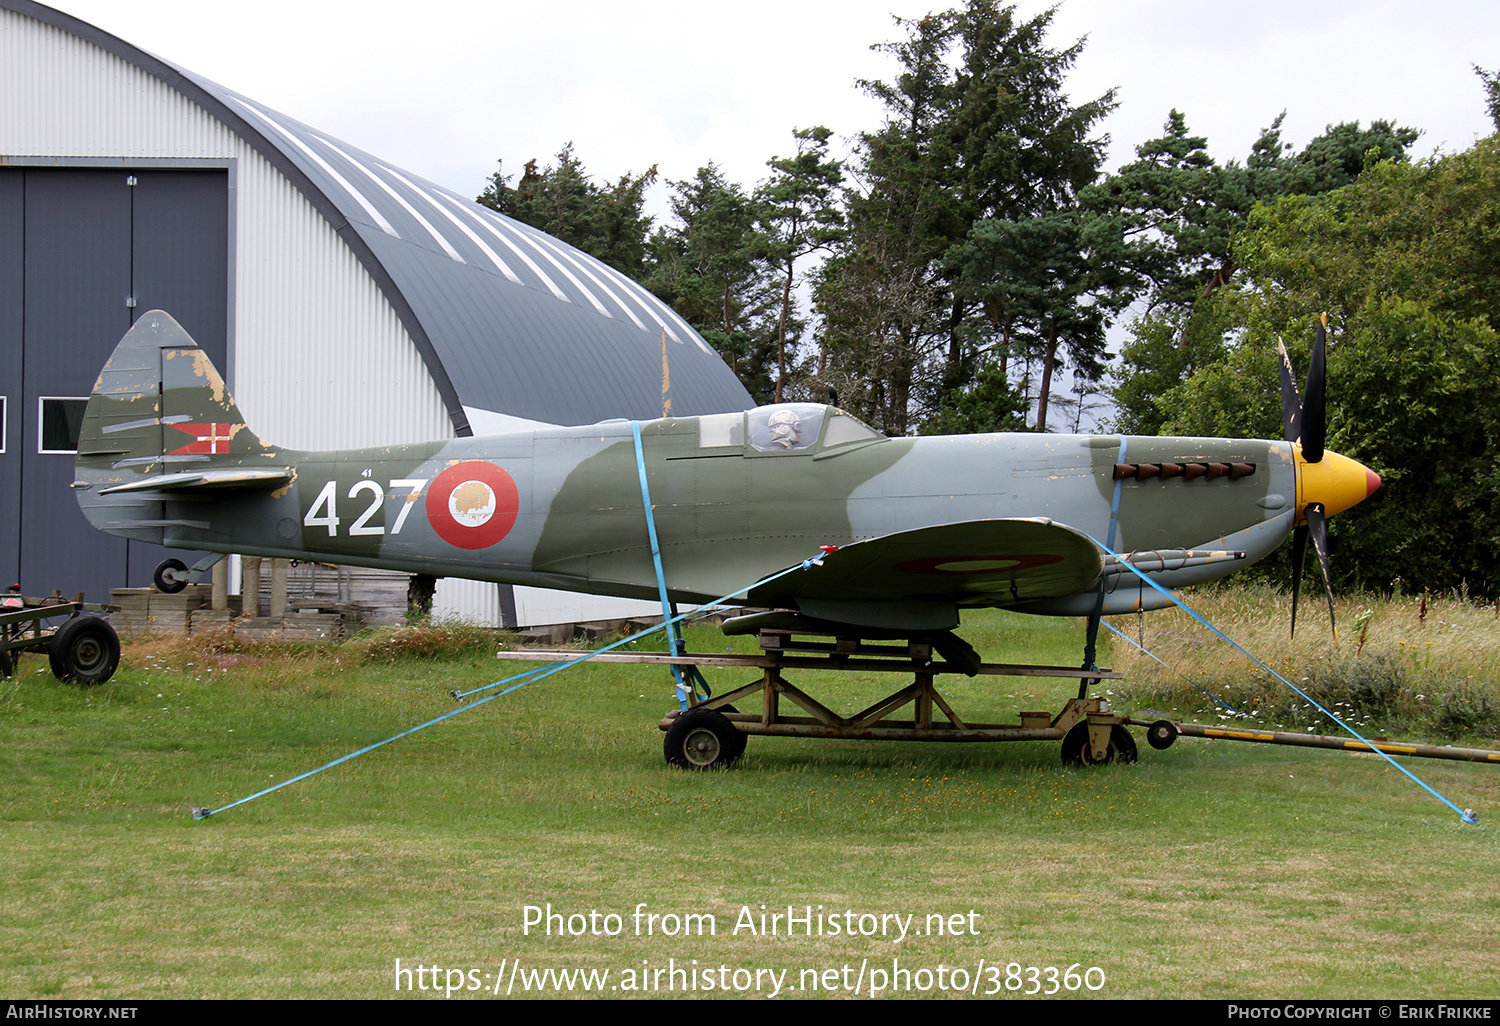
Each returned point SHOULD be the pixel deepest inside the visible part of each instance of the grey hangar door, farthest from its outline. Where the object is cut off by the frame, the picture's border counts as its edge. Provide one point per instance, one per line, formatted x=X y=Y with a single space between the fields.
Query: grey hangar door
x=83 y=252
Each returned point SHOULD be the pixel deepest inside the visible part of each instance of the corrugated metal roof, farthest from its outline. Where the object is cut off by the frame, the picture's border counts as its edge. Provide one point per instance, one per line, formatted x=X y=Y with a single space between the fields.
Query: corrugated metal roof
x=507 y=318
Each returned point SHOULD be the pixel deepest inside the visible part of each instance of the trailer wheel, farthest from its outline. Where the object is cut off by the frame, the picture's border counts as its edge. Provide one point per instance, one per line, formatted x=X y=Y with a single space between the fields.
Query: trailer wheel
x=86 y=649
x=169 y=585
x=1076 y=750
x=1121 y=746
x=702 y=739
x=7 y=668
x=1161 y=734
x=740 y=738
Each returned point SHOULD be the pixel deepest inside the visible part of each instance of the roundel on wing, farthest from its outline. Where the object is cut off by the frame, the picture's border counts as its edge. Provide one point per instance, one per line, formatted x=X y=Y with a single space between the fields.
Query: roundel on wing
x=997 y=564
x=472 y=505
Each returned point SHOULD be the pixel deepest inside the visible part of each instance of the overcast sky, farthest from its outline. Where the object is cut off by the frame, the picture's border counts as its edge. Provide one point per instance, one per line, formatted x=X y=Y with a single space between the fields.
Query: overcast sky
x=446 y=87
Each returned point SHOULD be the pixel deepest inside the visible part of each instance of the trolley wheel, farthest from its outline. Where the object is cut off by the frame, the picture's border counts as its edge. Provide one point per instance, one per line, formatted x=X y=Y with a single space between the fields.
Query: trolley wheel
x=170 y=585
x=86 y=649
x=740 y=737
x=1076 y=750
x=1161 y=734
x=702 y=739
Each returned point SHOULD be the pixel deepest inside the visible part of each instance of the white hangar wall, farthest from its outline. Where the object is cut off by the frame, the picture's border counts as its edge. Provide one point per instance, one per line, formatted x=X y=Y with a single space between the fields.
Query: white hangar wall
x=319 y=358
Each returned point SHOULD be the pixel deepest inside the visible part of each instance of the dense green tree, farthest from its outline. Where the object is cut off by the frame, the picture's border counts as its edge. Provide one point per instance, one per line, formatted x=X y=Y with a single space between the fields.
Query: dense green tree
x=990 y=404
x=977 y=128
x=1169 y=218
x=874 y=327
x=1406 y=261
x=1163 y=349
x=605 y=221
x=1037 y=277
x=1342 y=153
x=1173 y=217
x=709 y=264
x=1027 y=153
x=881 y=296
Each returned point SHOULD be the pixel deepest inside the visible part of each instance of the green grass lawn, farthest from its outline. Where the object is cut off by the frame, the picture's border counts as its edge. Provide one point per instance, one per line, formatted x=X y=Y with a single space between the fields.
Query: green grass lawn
x=1208 y=870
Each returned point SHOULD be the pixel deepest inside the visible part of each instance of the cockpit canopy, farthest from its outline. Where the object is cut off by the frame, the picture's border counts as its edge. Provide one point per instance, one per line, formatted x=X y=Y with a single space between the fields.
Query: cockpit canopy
x=785 y=427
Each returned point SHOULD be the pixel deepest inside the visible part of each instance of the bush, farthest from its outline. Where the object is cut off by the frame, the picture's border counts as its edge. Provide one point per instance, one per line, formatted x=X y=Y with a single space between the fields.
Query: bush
x=426 y=639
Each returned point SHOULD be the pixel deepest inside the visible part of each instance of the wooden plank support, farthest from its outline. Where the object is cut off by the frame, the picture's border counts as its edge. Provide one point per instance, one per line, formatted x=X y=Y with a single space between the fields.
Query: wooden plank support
x=806 y=701
x=953 y=717
x=791 y=662
x=886 y=705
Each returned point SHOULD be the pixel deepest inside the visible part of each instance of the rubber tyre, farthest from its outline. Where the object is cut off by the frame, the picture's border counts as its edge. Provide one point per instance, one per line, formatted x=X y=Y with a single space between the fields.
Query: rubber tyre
x=702 y=739
x=159 y=578
x=1076 y=750
x=740 y=737
x=85 y=650
x=7 y=668
x=1161 y=734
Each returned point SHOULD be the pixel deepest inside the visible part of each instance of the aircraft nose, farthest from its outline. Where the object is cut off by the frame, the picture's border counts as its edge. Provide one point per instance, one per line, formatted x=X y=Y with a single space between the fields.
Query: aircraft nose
x=1335 y=481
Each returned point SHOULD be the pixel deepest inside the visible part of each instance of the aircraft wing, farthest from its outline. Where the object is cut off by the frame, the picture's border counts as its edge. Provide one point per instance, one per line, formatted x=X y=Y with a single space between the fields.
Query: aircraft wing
x=913 y=577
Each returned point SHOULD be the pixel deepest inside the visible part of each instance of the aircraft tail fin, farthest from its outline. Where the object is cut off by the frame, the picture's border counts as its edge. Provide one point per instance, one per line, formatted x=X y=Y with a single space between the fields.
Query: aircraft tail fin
x=160 y=415
x=159 y=402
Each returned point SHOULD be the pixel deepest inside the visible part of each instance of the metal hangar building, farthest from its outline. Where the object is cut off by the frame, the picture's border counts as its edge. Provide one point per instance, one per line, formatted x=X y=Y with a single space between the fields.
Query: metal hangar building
x=348 y=302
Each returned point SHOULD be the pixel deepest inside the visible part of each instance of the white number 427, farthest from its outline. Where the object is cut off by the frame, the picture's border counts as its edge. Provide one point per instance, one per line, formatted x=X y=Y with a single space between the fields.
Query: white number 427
x=324 y=511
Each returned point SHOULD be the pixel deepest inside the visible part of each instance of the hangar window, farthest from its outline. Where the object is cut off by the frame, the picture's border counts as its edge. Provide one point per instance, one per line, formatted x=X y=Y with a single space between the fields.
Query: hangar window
x=61 y=420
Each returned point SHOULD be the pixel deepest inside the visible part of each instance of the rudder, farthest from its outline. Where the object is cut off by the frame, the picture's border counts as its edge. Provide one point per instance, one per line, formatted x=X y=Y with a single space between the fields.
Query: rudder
x=160 y=411
x=160 y=400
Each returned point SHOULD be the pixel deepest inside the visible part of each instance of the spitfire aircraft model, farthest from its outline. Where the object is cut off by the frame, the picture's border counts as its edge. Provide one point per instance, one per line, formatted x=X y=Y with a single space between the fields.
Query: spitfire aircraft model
x=917 y=529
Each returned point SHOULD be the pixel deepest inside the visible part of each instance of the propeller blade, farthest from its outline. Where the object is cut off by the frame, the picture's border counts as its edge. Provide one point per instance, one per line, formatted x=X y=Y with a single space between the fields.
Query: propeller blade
x=1317 y=525
x=1291 y=402
x=1306 y=424
x=1314 y=422
x=1299 y=560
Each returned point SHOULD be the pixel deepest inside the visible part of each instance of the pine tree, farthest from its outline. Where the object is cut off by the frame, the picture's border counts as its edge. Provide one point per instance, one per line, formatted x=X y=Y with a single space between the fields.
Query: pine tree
x=799 y=215
x=978 y=129
x=605 y=221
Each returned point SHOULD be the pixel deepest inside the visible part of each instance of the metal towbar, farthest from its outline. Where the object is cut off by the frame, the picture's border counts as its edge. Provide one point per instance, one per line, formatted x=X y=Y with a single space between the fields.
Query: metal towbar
x=1161 y=734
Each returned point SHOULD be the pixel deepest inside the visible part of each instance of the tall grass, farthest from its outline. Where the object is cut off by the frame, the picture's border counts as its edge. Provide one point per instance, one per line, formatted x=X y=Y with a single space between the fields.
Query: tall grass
x=1427 y=666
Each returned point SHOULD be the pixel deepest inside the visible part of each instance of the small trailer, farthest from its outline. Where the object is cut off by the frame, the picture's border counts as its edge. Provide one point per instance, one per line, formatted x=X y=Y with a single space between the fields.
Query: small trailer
x=82 y=649
x=711 y=733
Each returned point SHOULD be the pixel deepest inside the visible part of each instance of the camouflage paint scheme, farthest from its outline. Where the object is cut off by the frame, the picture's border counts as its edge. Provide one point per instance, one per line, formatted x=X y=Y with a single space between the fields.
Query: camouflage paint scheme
x=925 y=526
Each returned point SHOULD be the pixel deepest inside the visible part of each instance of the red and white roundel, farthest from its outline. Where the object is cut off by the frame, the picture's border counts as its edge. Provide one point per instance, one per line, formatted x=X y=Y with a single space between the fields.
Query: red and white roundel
x=472 y=505
x=976 y=564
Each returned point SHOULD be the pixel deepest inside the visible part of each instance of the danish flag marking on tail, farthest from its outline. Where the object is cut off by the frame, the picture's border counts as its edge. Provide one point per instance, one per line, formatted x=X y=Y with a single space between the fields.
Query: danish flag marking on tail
x=207 y=438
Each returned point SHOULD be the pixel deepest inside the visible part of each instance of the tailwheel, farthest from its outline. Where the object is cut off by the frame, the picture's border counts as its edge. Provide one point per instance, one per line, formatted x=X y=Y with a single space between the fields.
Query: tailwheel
x=701 y=739
x=170 y=576
x=1076 y=750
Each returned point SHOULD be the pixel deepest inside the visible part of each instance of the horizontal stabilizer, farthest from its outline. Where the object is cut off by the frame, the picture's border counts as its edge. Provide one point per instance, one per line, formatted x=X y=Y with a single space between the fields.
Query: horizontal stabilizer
x=228 y=477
